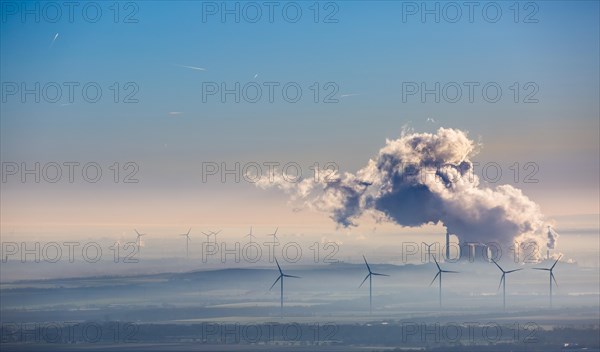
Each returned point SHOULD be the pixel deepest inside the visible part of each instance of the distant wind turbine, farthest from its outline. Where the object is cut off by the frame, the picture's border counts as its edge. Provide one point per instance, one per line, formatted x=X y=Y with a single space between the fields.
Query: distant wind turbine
x=207 y=236
x=139 y=237
x=250 y=235
x=139 y=240
x=503 y=282
x=280 y=278
x=274 y=234
x=215 y=234
x=439 y=273
x=551 y=276
x=370 y=277
x=187 y=242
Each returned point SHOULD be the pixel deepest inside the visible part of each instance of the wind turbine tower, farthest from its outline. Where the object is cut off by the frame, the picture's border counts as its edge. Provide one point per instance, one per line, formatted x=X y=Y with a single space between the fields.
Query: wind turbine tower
x=187 y=242
x=550 y=270
x=274 y=234
x=250 y=235
x=447 y=244
x=370 y=277
x=280 y=279
x=503 y=282
x=439 y=274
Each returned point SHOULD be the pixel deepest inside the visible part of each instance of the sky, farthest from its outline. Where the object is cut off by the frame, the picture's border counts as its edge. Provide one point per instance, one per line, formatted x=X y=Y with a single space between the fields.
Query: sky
x=154 y=62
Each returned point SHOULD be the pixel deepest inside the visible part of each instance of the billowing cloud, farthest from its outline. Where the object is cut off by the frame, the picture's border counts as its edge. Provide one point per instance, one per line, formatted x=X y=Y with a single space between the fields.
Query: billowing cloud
x=426 y=178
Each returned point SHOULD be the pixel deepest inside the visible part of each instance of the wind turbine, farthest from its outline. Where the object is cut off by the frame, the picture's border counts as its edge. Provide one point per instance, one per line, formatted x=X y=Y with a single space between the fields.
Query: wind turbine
x=138 y=239
x=503 y=282
x=207 y=236
x=280 y=278
x=370 y=277
x=274 y=234
x=187 y=241
x=551 y=276
x=428 y=250
x=439 y=273
x=215 y=233
x=250 y=235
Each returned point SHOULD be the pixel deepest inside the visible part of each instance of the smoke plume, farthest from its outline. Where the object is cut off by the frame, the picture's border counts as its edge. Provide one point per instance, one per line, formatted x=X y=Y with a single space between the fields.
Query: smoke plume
x=552 y=238
x=426 y=178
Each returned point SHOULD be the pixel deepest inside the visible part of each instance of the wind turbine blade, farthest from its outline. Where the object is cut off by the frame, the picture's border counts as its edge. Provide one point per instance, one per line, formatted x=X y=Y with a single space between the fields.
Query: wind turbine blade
x=189 y=231
x=512 y=271
x=436 y=264
x=367 y=264
x=295 y=277
x=136 y=231
x=276 y=230
x=366 y=277
x=379 y=274
x=546 y=269
x=553 y=278
x=450 y=271
x=502 y=270
x=278 y=278
x=435 y=277
x=501 y=279
x=553 y=265
x=281 y=272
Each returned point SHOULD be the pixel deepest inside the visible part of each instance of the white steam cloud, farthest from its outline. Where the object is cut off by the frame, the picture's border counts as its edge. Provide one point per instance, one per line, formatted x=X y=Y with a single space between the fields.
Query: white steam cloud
x=552 y=238
x=425 y=178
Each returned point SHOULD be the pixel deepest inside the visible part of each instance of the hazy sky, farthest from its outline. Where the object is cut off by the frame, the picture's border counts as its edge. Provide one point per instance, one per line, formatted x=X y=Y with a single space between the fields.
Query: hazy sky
x=367 y=57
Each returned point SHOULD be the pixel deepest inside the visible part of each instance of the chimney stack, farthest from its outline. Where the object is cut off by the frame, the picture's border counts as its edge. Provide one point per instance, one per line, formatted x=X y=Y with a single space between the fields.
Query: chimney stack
x=447 y=244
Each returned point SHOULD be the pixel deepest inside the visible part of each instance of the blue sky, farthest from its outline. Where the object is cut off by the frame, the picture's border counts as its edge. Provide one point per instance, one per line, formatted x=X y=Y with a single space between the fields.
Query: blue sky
x=367 y=54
